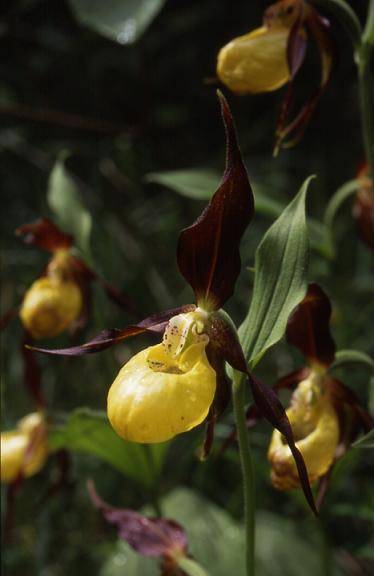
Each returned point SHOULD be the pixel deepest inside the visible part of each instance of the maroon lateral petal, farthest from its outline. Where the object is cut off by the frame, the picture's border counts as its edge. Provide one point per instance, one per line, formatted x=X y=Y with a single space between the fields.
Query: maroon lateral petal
x=224 y=340
x=208 y=251
x=341 y=394
x=294 y=129
x=32 y=372
x=320 y=29
x=44 y=234
x=157 y=537
x=108 y=338
x=271 y=408
x=209 y=435
x=290 y=381
x=323 y=486
x=296 y=47
x=308 y=327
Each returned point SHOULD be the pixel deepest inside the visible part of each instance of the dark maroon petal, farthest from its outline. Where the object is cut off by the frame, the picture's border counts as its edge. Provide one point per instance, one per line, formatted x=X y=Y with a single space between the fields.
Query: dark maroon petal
x=296 y=47
x=32 y=372
x=209 y=435
x=224 y=340
x=44 y=234
x=341 y=394
x=308 y=327
x=323 y=486
x=271 y=408
x=290 y=381
x=320 y=29
x=208 y=251
x=108 y=338
x=294 y=130
x=158 y=537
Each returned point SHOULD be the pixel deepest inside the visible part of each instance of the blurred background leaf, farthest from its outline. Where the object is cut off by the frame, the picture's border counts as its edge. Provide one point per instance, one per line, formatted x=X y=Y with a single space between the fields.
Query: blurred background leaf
x=89 y=431
x=67 y=206
x=120 y=20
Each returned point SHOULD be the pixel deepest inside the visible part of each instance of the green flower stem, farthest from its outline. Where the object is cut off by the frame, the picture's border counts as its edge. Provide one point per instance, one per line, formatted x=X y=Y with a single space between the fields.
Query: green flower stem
x=366 y=101
x=238 y=394
x=191 y=567
x=363 y=44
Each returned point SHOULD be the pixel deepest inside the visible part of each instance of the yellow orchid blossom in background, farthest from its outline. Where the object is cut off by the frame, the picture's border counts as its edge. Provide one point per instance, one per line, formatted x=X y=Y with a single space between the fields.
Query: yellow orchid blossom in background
x=270 y=56
x=315 y=425
x=24 y=450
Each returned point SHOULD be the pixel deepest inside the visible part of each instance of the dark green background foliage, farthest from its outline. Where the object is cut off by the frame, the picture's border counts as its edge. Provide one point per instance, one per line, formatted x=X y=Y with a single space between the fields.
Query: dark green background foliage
x=122 y=112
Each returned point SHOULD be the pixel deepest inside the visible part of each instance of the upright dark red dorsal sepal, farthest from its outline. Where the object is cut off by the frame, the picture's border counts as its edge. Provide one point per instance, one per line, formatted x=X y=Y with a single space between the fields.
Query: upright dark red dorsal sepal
x=45 y=235
x=208 y=251
x=308 y=327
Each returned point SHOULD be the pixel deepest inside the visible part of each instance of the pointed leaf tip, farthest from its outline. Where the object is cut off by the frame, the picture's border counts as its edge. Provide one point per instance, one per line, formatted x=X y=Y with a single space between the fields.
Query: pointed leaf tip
x=208 y=251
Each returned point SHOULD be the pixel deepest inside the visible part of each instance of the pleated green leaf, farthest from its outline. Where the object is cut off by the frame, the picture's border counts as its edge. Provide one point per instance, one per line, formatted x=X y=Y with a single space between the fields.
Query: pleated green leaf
x=280 y=283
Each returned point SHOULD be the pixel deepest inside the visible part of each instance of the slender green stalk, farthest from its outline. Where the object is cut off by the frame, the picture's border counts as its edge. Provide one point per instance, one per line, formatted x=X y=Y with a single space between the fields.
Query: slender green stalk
x=367 y=101
x=363 y=44
x=238 y=395
x=191 y=567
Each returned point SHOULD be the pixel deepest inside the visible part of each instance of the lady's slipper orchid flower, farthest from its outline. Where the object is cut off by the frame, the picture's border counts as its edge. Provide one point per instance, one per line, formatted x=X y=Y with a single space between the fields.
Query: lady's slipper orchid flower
x=325 y=415
x=270 y=56
x=59 y=299
x=172 y=387
x=25 y=449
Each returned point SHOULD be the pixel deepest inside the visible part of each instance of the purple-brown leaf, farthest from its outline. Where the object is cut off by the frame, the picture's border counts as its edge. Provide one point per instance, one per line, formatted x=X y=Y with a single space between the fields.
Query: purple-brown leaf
x=157 y=537
x=308 y=327
x=44 y=234
x=108 y=338
x=208 y=251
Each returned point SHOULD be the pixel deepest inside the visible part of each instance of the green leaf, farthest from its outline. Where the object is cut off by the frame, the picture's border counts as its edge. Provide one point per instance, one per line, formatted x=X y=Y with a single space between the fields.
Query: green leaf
x=366 y=441
x=348 y=356
x=121 y=20
x=65 y=202
x=90 y=432
x=280 y=279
